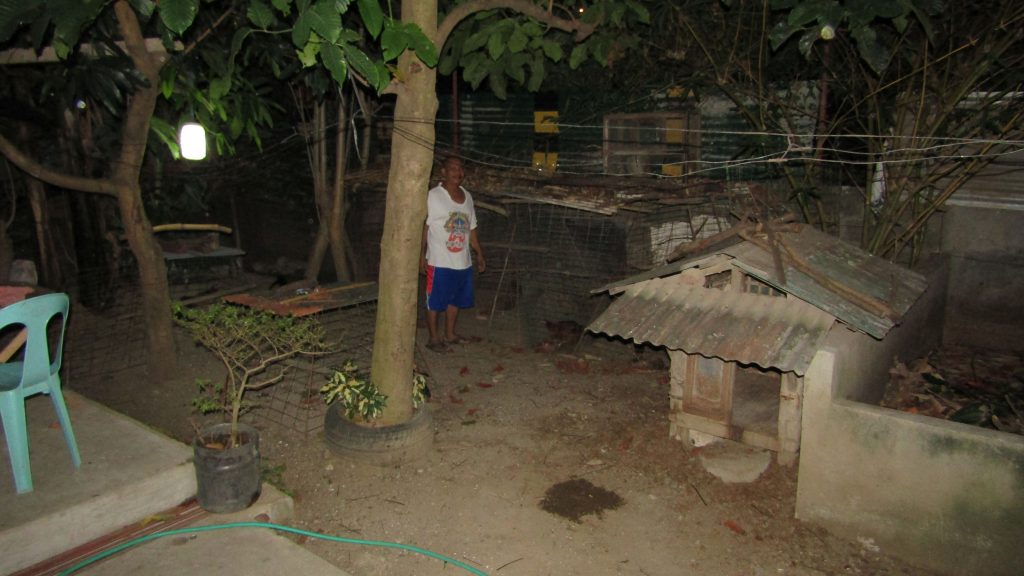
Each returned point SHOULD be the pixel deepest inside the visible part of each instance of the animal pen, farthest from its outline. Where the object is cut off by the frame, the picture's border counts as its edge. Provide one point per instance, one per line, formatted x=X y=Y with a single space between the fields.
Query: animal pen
x=549 y=238
x=742 y=319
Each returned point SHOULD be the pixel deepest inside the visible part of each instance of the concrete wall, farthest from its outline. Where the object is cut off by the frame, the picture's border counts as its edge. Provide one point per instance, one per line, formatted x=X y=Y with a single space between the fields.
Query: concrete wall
x=866 y=361
x=982 y=234
x=939 y=494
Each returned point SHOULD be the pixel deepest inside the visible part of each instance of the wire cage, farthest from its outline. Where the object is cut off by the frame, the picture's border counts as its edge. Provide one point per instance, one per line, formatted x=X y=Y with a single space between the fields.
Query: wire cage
x=295 y=403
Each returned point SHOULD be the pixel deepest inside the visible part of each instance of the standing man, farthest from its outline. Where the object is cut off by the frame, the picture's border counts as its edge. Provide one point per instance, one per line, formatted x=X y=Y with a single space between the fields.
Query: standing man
x=448 y=235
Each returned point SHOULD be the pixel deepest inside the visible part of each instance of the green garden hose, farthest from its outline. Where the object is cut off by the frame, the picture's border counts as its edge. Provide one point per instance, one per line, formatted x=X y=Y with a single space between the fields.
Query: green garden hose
x=210 y=528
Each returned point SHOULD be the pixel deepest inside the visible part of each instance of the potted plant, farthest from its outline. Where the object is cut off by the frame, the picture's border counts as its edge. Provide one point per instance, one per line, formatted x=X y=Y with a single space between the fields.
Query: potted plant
x=251 y=344
x=350 y=427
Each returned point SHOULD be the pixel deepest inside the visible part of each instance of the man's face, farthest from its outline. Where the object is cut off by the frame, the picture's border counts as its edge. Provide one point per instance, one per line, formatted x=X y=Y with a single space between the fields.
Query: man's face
x=452 y=173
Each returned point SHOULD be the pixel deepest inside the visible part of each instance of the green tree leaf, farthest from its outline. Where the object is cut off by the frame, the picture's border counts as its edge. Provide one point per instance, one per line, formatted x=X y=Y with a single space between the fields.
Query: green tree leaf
x=168 y=76
x=372 y=15
x=282 y=6
x=301 y=30
x=553 y=50
x=642 y=14
x=517 y=40
x=780 y=33
x=475 y=41
x=578 y=55
x=178 y=15
x=515 y=67
x=536 y=73
x=876 y=55
x=881 y=8
x=495 y=45
x=365 y=67
x=219 y=87
x=334 y=60
x=498 y=83
x=393 y=41
x=307 y=56
x=325 y=20
x=260 y=14
x=900 y=22
x=166 y=134
x=475 y=68
x=69 y=17
x=398 y=37
x=425 y=49
x=806 y=12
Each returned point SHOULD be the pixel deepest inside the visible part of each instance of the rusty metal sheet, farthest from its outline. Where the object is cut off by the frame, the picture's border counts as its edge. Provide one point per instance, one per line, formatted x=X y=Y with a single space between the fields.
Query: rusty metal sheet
x=669 y=269
x=318 y=299
x=771 y=332
x=844 y=263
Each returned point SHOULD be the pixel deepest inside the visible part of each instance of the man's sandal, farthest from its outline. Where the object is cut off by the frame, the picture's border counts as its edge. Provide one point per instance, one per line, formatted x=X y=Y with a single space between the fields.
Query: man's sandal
x=439 y=347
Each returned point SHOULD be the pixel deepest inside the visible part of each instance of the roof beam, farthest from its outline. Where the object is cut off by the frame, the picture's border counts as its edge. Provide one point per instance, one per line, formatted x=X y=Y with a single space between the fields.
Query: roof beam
x=15 y=56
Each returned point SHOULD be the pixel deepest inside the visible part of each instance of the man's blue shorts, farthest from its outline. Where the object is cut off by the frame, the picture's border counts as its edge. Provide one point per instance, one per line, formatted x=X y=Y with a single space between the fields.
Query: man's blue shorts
x=448 y=287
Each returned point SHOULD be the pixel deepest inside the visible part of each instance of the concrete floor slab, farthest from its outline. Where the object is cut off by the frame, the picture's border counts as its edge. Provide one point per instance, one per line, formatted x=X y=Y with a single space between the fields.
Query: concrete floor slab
x=229 y=551
x=128 y=472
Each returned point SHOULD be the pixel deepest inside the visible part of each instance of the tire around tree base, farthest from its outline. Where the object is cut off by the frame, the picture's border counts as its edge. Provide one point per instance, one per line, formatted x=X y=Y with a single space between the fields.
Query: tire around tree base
x=382 y=445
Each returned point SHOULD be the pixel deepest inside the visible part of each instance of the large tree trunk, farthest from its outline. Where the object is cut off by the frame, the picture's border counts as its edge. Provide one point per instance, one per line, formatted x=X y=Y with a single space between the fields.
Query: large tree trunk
x=404 y=213
x=156 y=298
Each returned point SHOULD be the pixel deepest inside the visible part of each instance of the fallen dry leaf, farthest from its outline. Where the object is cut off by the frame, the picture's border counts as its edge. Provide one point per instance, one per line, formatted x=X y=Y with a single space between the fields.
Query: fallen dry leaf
x=731 y=525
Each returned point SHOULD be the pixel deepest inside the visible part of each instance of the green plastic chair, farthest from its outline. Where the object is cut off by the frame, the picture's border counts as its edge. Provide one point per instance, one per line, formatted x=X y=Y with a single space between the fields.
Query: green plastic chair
x=34 y=374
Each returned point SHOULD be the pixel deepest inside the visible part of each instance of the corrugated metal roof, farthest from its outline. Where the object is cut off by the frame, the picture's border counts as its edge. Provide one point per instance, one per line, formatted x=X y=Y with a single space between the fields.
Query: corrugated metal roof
x=845 y=264
x=772 y=332
x=840 y=262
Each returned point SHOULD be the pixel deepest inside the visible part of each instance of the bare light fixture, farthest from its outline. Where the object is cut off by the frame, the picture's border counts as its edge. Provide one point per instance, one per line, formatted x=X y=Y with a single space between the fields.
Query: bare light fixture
x=193 y=141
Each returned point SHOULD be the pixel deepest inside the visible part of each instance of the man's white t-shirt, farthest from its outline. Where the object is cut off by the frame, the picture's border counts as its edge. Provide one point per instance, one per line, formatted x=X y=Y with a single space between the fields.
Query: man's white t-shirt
x=448 y=227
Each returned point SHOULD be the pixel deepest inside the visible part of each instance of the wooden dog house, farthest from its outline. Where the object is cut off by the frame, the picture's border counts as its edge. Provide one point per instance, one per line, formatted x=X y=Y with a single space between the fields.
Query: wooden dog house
x=743 y=319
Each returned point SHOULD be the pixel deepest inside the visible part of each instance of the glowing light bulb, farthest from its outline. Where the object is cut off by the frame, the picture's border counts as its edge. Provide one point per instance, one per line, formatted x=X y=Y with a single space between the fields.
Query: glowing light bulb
x=827 y=32
x=193 y=141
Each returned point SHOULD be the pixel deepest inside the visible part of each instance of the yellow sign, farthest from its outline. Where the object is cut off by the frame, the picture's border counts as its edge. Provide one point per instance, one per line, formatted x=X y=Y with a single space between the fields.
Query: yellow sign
x=545 y=162
x=545 y=122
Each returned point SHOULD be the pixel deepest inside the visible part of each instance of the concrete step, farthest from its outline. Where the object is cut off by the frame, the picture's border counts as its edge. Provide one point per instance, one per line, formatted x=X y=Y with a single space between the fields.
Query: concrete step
x=128 y=472
x=223 y=552
x=130 y=475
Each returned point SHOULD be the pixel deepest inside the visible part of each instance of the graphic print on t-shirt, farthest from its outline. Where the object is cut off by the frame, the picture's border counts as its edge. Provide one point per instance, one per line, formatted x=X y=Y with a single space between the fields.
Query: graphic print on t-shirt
x=457 y=227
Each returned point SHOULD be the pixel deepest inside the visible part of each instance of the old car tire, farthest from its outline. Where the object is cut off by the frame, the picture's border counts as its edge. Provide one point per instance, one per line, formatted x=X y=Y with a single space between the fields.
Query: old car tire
x=381 y=445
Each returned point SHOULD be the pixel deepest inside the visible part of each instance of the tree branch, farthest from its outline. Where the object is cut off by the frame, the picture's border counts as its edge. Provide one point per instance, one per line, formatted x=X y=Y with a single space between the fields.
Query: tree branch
x=33 y=168
x=134 y=42
x=525 y=7
x=207 y=32
x=135 y=131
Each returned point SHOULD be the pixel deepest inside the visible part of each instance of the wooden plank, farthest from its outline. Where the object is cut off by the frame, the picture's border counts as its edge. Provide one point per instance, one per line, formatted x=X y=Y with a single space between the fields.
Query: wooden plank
x=735 y=433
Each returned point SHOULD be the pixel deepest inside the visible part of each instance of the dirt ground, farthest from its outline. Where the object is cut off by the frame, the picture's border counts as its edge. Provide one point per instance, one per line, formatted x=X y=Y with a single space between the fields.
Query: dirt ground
x=543 y=464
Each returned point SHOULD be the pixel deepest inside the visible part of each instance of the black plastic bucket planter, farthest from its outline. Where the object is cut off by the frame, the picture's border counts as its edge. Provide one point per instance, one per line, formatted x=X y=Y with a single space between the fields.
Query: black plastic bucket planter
x=227 y=480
